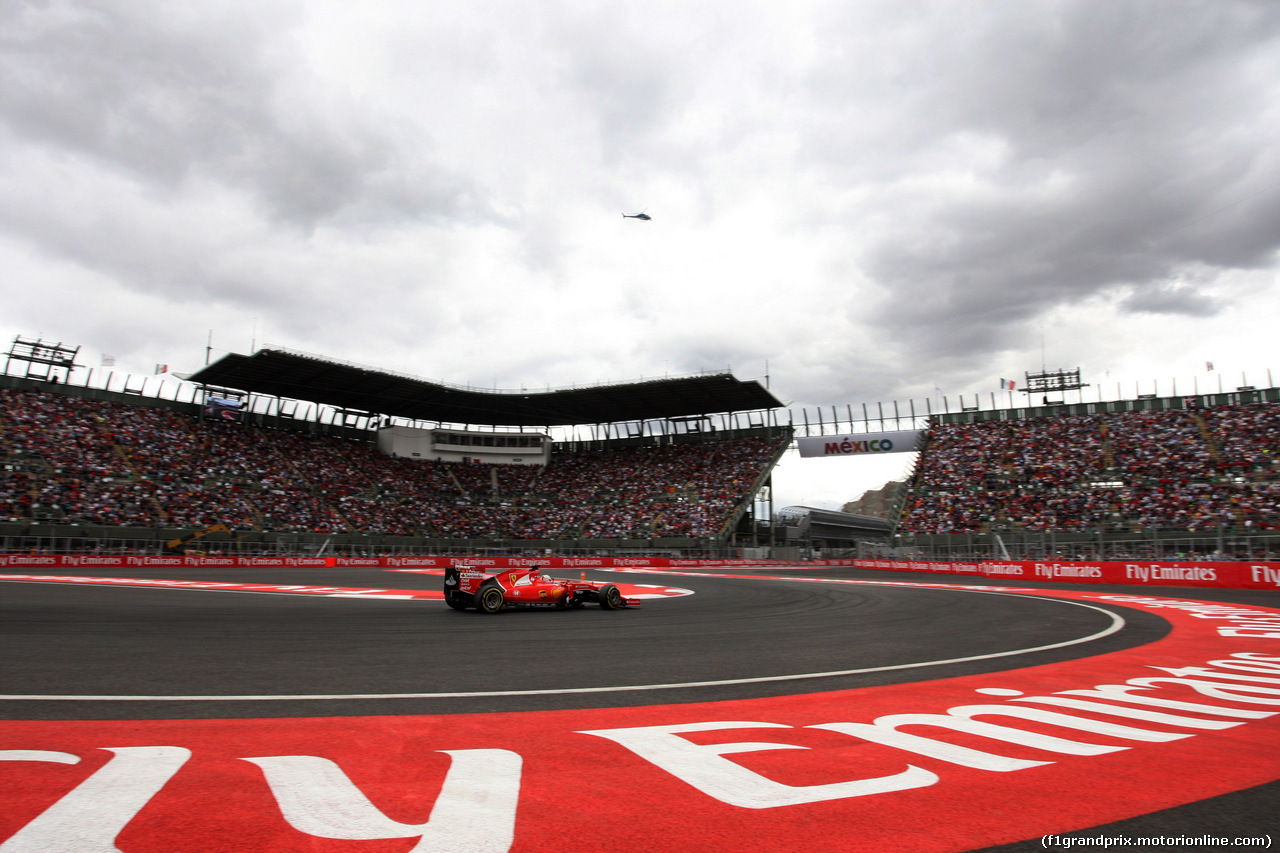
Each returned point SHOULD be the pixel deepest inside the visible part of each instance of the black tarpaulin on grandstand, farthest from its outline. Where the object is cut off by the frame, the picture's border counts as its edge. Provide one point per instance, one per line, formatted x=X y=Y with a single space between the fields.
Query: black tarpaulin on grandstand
x=297 y=377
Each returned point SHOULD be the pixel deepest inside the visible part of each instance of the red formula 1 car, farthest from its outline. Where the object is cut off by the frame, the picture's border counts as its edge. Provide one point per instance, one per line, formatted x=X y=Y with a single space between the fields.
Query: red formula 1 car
x=465 y=587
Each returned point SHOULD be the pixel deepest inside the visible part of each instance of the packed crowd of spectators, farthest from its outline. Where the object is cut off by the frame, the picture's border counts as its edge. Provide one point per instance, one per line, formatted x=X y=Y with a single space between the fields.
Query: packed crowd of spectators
x=1190 y=469
x=74 y=461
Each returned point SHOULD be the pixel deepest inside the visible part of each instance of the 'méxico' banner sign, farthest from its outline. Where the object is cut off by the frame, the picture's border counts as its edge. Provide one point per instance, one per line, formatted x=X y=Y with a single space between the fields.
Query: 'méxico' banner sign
x=904 y=441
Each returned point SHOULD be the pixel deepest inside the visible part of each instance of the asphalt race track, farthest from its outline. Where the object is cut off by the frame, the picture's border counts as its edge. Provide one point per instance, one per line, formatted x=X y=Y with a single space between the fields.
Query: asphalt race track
x=138 y=641
x=164 y=658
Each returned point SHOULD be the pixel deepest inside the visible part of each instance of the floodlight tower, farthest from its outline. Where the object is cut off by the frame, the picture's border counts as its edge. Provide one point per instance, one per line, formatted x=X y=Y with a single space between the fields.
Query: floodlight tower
x=1053 y=382
x=52 y=356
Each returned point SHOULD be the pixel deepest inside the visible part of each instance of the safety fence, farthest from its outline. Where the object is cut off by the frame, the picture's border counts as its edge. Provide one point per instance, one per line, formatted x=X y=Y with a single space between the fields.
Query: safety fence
x=55 y=540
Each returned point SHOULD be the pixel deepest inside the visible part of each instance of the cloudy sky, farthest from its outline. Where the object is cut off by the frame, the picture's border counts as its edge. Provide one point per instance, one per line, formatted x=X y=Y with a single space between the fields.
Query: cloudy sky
x=868 y=200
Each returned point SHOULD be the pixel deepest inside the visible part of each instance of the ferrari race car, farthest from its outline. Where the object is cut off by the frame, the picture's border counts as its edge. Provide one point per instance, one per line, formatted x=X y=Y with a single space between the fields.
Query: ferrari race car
x=465 y=586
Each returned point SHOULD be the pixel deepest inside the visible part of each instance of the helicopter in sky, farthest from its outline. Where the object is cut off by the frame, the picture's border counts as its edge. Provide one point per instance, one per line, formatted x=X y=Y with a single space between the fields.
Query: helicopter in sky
x=641 y=215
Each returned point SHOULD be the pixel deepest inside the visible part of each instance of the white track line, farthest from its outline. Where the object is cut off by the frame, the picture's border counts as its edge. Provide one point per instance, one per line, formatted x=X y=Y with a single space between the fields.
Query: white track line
x=211 y=586
x=1117 y=622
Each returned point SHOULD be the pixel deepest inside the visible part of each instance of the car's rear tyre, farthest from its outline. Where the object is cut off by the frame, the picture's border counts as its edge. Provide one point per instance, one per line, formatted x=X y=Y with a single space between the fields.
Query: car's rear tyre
x=610 y=597
x=490 y=600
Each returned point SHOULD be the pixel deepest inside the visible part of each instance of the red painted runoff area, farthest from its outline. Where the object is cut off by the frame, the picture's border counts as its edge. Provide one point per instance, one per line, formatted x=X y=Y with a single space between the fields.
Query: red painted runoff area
x=942 y=765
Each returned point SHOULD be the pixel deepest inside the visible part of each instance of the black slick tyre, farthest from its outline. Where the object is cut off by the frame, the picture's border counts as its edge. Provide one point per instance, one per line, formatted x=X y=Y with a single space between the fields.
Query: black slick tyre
x=610 y=597
x=489 y=600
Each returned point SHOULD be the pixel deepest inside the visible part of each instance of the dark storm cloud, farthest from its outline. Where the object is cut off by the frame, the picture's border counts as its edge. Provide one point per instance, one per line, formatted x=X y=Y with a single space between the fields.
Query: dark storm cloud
x=1056 y=152
x=162 y=95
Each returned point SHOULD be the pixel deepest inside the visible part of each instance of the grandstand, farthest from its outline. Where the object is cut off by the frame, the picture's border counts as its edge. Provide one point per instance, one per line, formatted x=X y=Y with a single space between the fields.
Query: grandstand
x=90 y=470
x=1152 y=476
x=295 y=454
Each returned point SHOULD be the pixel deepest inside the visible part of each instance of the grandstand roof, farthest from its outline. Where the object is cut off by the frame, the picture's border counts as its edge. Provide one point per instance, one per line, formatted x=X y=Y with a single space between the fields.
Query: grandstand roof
x=294 y=376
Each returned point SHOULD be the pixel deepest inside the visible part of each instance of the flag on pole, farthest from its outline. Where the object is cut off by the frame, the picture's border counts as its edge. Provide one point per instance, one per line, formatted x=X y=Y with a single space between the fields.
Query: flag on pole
x=162 y=368
x=1007 y=384
x=1208 y=365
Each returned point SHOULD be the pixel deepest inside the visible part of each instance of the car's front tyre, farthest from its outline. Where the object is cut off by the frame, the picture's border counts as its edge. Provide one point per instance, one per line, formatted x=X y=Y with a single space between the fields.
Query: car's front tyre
x=610 y=597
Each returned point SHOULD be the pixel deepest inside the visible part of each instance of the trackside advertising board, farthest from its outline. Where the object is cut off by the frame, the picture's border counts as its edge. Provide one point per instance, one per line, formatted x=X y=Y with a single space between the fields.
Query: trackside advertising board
x=1135 y=573
x=1210 y=575
x=88 y=561
x=861 y=444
